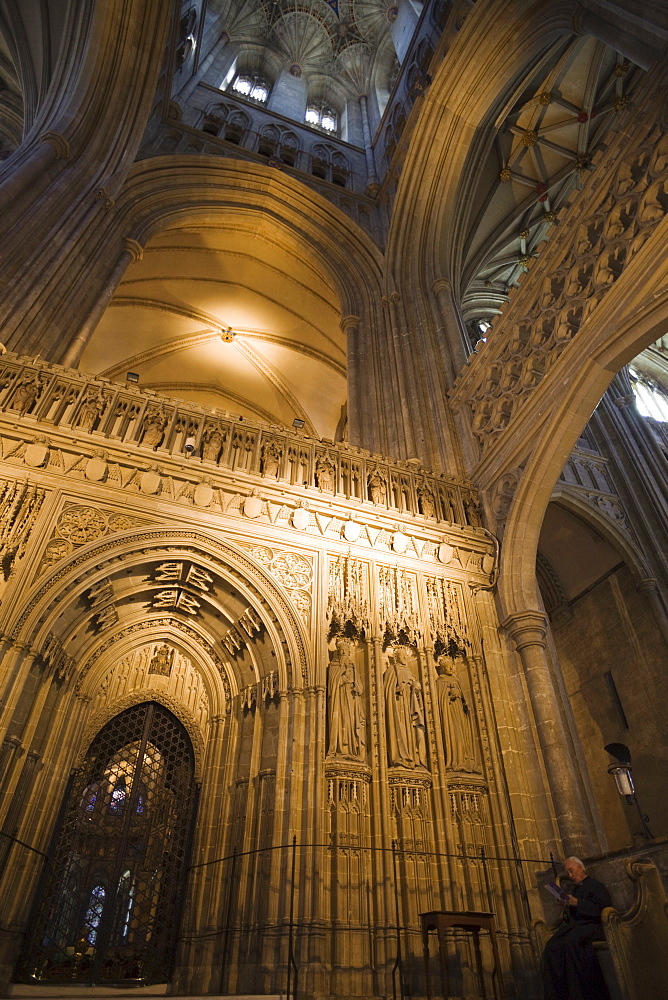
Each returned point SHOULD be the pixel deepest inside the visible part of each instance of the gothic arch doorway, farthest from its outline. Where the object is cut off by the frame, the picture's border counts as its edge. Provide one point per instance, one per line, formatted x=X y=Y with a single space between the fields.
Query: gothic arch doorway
x=109 y=909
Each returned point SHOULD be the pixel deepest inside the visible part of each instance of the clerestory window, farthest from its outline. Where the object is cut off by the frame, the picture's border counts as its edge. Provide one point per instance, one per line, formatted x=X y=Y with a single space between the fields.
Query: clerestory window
x=253 y=87
x=651 y=399
x=321 y=116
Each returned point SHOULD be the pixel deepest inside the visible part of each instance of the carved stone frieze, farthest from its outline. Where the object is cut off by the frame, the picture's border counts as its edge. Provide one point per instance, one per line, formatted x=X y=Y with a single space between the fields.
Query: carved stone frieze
x=569 y=283
x=348 y=597
x=20 y=503
x=447 y=621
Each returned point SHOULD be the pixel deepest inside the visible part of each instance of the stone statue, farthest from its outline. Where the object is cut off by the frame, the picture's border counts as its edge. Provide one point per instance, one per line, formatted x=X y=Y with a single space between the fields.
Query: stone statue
x=472 y=512
x=272 y=453
x=26 y=394
x=377 y=487
x=162 y=661
x=426 y=500
x=404 y=713
x=213 y=444
x=153 y=427
x=324 y=470
x=91 y=409
x=344 y=702
x=455 y=717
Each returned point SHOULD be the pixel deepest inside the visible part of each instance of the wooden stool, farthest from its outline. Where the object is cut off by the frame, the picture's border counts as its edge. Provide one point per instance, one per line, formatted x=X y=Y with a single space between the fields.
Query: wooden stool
x=442 y=921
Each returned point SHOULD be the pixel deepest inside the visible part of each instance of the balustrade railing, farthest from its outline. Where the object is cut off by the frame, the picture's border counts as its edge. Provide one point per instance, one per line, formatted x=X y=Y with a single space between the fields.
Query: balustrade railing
x=41 y=396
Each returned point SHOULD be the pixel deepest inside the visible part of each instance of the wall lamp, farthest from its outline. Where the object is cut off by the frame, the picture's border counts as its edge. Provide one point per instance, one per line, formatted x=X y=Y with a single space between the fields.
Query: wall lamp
x=621 y=772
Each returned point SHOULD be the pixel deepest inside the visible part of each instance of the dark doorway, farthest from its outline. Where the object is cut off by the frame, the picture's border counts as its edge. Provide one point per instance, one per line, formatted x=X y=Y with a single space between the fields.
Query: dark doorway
x=109 y=907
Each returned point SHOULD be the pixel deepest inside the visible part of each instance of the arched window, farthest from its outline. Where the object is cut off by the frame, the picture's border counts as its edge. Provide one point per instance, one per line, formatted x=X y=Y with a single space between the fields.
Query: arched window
x=651 y=398
x=118 y=797
x=279 y=142
x=320 y=115
x=340 y=170
x=90 y=798
x=253 y=87
x=94 y=913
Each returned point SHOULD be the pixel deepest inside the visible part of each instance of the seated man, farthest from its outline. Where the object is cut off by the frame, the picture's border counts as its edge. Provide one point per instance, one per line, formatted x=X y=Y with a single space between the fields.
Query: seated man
x=570 y=967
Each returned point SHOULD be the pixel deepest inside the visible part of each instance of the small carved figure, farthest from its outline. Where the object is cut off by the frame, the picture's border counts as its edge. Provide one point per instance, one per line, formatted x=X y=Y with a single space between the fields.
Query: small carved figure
x=655 y=203
x=472 y=511
x=325 y=470
x=404 y=713
x=455 y=717
x=610 y=265
x=212 y=444
x=26 y=394
x=272 y=452
x=377 y=486
x=426 y=500
x=162 y=661
x=90 y=411
x=344 y=702
x=153 y=427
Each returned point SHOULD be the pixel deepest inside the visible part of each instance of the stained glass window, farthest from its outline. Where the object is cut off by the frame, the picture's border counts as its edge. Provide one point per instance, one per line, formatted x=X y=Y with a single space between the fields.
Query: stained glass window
x=118 y=797
x=651 y=399
x=94 y=913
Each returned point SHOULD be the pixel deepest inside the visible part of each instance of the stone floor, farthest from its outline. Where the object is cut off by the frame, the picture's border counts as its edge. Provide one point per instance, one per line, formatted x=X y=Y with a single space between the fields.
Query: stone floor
x=82 y=992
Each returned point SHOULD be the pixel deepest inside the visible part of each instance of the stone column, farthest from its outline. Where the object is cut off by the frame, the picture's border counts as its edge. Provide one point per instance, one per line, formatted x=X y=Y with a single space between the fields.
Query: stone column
x=289 y=94
x=16 y=670
x=380 y=816
x=131 y=252
x=371 y=173
x=528 y=631
x=58 y=190
x=9 y=753
x=31 y=766
x=190 y=86
x=357 y=361
x=457 y=345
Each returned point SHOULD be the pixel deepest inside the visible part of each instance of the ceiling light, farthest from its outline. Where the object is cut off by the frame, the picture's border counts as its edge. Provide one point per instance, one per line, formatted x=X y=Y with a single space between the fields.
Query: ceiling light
x=227 y=334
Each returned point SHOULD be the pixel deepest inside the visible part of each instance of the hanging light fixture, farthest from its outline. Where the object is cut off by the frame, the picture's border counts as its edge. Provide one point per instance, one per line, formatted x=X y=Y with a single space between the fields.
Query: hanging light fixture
x=621 y=772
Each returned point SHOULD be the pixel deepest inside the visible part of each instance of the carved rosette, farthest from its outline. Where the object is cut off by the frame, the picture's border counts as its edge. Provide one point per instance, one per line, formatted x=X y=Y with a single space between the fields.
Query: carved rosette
x=293 y=571
x=79 y=524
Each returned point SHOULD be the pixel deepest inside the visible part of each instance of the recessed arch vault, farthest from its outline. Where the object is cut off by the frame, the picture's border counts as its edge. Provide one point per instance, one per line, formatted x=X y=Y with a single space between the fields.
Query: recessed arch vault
x=45 y=610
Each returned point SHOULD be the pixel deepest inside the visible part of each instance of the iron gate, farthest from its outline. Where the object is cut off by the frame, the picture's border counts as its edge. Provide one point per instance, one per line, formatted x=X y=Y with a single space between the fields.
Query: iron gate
x=110 y=906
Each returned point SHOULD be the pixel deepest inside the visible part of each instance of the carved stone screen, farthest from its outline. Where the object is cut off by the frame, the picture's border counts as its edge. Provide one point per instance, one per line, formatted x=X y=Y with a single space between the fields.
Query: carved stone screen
x=109 y=910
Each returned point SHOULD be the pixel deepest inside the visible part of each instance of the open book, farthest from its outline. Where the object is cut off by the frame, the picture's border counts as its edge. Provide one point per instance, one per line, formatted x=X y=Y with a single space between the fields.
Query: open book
x=557 y=891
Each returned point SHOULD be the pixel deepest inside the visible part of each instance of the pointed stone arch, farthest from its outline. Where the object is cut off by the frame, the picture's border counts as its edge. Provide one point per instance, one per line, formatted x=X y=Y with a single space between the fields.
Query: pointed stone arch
x=36 y=619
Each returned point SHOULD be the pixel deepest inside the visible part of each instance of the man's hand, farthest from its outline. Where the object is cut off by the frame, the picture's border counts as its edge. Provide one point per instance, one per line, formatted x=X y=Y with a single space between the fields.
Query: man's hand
x=572 y=901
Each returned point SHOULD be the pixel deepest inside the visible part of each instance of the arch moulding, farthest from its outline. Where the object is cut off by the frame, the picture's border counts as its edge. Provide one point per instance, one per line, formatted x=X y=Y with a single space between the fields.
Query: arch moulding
x=107 y=712
x=37 y=618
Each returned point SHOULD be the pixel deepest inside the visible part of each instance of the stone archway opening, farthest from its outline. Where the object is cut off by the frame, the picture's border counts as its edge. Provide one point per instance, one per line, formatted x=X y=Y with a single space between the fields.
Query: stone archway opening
x=610 y=652
x=110 y=906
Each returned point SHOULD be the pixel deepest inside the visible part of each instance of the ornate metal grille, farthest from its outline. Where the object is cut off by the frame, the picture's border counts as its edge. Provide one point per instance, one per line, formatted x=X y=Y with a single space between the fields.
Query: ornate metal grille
x=110 y=904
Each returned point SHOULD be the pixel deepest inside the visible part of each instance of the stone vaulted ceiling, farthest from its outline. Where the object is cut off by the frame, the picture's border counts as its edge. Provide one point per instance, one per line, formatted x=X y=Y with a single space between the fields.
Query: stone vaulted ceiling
x=546 y=139
x=229 y=317
x=332 y=40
